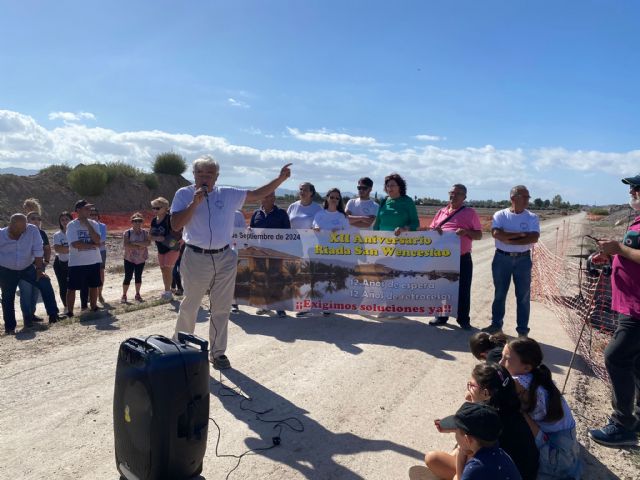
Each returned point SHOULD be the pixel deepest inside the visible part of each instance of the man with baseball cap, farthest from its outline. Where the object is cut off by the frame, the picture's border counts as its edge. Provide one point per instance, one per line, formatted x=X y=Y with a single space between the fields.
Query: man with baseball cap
x=477 y=428
x=622 y=355
x=83 y=235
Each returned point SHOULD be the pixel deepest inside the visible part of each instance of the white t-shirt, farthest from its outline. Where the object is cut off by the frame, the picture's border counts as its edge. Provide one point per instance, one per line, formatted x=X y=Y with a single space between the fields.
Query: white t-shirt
x=211 y=225
x=78 y=232
x=60 y=239
x=326 y=220
x=301 y=216
x=508 y=221
x=538 y=413
x=362 y=208
x=238 y=220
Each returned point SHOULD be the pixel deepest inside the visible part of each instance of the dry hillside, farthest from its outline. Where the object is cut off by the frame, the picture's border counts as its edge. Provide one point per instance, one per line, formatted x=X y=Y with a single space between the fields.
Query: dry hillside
x=123 y=194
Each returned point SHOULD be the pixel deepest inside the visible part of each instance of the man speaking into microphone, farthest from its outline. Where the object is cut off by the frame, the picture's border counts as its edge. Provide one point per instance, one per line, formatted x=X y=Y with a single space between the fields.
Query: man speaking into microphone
x=206 y=212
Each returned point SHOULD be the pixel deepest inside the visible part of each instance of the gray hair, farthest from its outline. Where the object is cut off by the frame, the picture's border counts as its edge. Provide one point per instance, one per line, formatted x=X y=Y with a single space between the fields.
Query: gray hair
x=517 y=189
x=204 y=162
x=17 y=217
x=461 y=187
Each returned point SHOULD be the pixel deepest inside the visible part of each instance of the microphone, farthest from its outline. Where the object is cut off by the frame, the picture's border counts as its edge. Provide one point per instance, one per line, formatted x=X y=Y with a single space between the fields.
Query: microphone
x=206 y=190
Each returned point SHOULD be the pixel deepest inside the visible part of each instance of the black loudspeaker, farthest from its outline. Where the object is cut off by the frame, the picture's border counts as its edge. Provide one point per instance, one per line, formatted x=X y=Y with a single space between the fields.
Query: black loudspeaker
x=161 y=407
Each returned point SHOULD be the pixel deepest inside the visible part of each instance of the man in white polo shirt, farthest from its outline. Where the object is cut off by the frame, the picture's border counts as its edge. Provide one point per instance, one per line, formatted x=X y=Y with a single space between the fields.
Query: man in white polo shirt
x=515 y=230
x=206 y=212
x=362 y=211
x=83 y=235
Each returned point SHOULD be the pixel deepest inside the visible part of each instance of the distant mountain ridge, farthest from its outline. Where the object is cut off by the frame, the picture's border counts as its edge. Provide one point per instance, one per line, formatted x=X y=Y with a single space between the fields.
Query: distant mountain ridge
x=22 y=172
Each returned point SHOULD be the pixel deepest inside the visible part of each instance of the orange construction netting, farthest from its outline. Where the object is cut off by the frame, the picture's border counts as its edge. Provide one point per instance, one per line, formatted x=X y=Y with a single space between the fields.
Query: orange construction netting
x=578 y=292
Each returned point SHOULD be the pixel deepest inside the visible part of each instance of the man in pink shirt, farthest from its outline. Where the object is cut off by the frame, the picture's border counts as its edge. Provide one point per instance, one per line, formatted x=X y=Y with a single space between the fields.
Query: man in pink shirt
x=622 y=355
x=457 y=217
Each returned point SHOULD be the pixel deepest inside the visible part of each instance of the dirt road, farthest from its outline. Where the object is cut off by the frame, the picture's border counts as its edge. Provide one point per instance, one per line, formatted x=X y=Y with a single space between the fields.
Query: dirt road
x=366 y=391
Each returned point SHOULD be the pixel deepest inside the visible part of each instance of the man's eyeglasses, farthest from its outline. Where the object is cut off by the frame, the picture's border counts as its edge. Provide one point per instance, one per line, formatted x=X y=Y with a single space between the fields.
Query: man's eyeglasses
x=362 y=188
x=156 y=208
x=137 y=220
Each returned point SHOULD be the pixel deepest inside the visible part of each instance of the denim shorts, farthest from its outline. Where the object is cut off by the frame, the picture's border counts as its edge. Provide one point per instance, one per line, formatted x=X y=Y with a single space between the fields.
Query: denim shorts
x=559 y=455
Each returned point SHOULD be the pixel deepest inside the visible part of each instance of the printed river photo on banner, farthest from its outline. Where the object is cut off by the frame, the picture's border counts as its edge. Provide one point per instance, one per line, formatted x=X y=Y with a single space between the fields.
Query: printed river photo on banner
x=350 y=271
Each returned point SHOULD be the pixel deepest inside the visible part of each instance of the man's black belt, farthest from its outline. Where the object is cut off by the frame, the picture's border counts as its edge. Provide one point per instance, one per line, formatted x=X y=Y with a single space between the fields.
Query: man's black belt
x=513 y=254
x=209 y=251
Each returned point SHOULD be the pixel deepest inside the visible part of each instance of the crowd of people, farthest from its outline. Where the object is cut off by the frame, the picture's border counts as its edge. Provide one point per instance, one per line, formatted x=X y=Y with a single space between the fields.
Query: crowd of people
x=512 y=405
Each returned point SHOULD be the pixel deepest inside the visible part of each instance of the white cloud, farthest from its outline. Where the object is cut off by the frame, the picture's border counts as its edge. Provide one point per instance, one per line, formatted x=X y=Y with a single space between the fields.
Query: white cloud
x=429 y=138
x=70 y=117
x=237 y=103
x=615 y=163
x=488 y=171
x=325 y=136
x=258 y=132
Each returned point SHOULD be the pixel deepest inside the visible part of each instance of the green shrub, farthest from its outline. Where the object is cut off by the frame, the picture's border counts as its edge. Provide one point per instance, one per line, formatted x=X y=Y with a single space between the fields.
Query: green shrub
x=56 y=169
x=88 y=179
x=170 y=163
x=151 y=181
x=599 y=211
x=116 y=169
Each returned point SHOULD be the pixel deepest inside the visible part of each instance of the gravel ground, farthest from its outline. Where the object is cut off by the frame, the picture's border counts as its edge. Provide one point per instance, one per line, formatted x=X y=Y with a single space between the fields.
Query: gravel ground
x=366 y=391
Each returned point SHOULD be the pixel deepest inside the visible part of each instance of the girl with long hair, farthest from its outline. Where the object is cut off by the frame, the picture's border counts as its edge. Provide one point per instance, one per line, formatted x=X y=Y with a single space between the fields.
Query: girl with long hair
x=547 y=412
x=491 y=384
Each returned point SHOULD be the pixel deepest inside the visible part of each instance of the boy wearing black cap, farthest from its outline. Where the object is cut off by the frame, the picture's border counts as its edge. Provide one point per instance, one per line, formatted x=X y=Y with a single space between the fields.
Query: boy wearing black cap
x=477 y=427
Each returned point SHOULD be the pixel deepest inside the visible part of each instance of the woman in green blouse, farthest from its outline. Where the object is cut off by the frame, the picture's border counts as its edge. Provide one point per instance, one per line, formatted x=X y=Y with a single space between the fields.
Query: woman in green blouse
x=398 y=211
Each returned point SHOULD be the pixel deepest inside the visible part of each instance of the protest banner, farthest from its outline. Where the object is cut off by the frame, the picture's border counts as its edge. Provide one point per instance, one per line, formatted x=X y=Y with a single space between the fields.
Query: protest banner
x=350 y=271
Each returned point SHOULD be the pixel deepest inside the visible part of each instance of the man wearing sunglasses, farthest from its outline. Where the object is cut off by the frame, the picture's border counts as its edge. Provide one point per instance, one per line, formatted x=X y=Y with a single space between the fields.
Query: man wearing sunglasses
x=362 y=211
x=83 y=235
x=622 y=355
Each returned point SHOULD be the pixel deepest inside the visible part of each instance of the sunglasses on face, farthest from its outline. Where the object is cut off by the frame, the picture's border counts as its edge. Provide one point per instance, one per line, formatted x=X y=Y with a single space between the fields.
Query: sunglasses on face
x=156 y=208
x=334 y=198
x=139 y=220
x=362 y=187
x=35 y=219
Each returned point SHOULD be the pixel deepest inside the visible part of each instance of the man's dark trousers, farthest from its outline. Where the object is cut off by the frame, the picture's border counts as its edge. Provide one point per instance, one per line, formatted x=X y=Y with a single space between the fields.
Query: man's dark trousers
x=622 y=358
x=9 y=282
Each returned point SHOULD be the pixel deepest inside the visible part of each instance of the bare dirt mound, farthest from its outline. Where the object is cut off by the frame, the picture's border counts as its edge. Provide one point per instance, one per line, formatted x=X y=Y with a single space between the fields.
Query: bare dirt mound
x=123 y=194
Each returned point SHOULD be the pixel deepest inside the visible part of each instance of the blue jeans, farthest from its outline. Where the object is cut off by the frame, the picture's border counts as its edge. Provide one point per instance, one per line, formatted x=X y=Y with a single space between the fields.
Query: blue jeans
x=28 y=298
x=9 y=280
x=504 y=267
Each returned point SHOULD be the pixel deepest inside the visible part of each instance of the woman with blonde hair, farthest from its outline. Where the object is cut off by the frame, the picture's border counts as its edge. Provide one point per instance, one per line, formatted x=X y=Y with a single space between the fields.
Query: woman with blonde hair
x=167 y=241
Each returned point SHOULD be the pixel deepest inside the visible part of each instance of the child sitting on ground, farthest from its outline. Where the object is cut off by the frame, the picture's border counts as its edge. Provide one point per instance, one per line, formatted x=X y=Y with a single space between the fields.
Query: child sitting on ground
x=491 y=384
x=548 y=414
x=477 y=428
x=487 y=347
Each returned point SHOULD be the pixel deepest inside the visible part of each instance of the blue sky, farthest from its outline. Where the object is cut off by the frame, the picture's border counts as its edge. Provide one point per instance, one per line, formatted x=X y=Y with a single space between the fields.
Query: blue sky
x=485 y=93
